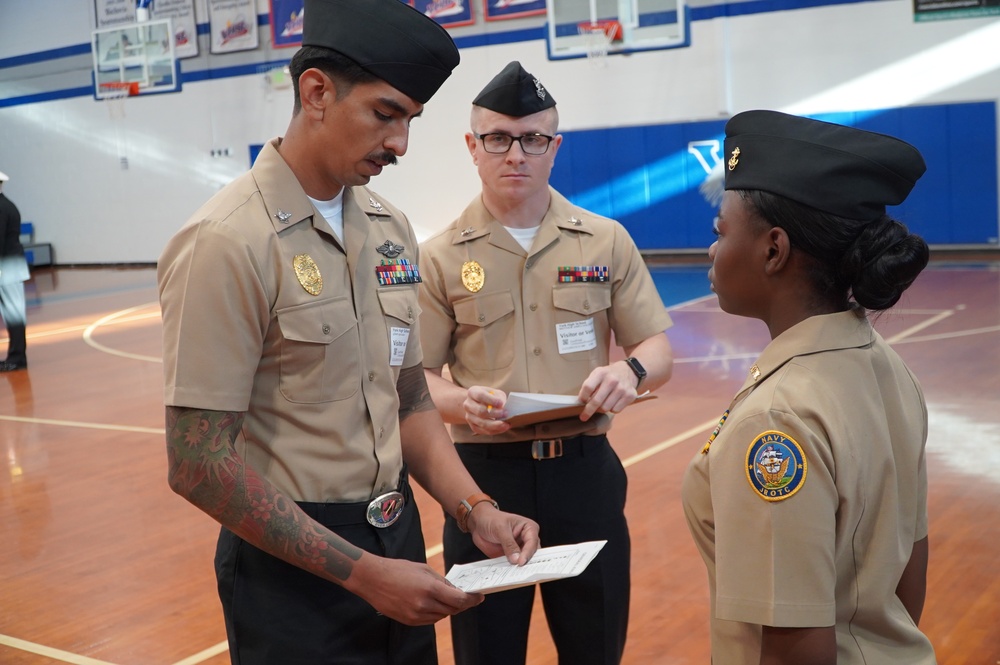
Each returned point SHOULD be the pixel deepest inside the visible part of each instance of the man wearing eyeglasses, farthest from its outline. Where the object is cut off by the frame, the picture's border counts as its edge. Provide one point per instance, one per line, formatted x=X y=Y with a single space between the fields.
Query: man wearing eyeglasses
x=522 y=294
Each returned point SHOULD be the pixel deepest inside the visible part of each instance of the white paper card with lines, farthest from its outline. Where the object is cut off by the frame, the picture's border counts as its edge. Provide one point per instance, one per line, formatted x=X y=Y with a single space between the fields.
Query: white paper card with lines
x=549 y=563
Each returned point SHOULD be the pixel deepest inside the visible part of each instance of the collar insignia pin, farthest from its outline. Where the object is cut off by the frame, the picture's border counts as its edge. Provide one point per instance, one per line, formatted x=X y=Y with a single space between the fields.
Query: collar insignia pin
x=375 y=204
x=755 y=372
x=282 y=216
x=467 y=231
x=575 y=221
x=389 y=249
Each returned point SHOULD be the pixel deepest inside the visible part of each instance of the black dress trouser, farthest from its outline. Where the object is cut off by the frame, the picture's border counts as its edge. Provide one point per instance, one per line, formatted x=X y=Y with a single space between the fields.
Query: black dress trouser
x=574 y=498
x=278 y=614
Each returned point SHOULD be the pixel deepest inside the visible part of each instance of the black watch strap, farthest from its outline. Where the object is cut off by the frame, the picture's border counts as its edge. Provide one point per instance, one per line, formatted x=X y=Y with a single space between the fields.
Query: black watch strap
x=637 y=369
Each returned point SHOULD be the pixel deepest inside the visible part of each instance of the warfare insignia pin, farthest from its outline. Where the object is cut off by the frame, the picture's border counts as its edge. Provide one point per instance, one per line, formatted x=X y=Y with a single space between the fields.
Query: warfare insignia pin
x=282 y=216
x=375 y=204
x=389 y=249
x=307 y=273
x=473 y=276
x=539 y=89
x=776 y=466
x=735 y=159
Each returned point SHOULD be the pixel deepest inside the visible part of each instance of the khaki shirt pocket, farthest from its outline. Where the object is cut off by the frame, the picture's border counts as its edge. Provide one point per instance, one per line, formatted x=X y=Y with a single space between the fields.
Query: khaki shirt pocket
x=400 y=309
x=320 y=357
x=581 y=301
x=485 y=334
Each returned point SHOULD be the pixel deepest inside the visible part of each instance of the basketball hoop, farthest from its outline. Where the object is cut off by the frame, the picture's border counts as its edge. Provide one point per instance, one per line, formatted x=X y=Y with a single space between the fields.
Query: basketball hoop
x=598 y=36
x=114 y=94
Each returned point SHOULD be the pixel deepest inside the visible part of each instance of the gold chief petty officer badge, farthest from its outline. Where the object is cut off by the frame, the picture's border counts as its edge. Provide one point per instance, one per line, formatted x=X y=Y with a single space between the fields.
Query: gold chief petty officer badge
x=473 y=276
x=307 y=272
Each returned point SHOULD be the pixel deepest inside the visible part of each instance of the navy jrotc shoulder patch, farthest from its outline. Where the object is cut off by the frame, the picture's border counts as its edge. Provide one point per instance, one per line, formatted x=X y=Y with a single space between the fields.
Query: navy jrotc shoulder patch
x=776 y=466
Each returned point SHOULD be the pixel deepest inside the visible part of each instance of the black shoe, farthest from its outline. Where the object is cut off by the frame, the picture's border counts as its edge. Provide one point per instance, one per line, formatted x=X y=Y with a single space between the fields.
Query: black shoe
x=8 y=366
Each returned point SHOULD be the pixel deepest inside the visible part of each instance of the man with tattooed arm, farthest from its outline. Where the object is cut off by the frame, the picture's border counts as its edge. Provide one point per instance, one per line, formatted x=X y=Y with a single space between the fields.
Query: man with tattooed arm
x=296 y=402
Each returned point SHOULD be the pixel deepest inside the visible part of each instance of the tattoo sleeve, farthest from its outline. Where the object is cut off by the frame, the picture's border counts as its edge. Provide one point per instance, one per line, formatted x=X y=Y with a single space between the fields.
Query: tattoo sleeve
x=205 y=468
x=414 y=396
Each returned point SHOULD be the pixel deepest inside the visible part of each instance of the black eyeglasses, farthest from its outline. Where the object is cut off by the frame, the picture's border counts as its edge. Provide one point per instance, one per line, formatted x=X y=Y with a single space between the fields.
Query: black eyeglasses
x=531 y=144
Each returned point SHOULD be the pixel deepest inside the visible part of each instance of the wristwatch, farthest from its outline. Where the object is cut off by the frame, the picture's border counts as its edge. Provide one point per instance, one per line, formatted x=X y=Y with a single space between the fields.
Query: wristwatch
x=637 y=369
x=466 y=506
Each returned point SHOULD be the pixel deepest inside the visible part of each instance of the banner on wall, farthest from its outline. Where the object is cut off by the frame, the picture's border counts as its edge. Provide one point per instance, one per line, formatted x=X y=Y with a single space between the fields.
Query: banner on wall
x=114 y=12
x=497 y=10
x=232 y=25
x=185 y=27
x=936 y=10
x=286 y=22
x=448 y=13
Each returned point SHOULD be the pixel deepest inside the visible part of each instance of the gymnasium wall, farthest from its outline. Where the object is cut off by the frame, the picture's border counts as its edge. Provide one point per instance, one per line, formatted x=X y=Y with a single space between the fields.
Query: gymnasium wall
x=629 y=122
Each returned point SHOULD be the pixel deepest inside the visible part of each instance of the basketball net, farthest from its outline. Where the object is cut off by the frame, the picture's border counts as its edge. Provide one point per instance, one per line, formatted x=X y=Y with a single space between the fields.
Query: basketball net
x=598 y=37
x=114 y=95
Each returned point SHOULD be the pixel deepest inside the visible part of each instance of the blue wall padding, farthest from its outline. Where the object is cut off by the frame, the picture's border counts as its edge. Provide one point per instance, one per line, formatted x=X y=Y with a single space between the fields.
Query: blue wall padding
x=646 y=177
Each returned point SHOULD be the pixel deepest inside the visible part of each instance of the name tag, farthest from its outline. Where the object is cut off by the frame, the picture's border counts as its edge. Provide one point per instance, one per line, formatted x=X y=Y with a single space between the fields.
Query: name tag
x=576 y=336
x=397 y=341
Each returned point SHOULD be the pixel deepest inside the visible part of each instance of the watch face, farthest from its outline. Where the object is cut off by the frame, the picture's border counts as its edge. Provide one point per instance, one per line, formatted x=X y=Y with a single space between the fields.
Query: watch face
x=637 y=367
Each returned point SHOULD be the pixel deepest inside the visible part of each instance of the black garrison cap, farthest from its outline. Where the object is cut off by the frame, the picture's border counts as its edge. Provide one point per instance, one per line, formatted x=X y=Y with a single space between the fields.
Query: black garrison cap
x=844 y=171
x=388 y=38
x=514 y=92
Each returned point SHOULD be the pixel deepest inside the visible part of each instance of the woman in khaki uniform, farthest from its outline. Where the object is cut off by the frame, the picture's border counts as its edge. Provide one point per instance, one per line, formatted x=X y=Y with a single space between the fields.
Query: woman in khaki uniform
x=809 y=501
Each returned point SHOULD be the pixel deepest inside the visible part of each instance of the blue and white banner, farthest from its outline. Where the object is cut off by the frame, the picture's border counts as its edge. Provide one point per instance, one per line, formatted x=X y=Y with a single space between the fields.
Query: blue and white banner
x=448 y=13
x=286 y=22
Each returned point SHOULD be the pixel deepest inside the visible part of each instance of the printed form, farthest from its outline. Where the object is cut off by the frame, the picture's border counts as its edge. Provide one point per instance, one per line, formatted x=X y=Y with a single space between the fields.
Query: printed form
x=549 y=563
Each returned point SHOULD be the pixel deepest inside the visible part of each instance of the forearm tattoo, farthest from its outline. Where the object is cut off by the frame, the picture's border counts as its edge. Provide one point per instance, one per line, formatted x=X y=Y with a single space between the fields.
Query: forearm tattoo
x=205 y=468
x=414 y=395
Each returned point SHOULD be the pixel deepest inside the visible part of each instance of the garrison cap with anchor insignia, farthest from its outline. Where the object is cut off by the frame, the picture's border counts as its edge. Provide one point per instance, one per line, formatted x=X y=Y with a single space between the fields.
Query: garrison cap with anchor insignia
x=387 y=38
x=844 y=171
x=514 y=92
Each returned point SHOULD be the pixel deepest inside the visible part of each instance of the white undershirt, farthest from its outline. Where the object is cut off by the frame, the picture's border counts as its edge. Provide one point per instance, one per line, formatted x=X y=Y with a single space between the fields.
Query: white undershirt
x=333 y=212
x=524 y=237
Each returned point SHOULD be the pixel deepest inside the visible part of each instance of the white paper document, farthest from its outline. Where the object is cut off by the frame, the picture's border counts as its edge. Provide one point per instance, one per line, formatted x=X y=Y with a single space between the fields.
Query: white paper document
x=549 y=563
x=531 y=408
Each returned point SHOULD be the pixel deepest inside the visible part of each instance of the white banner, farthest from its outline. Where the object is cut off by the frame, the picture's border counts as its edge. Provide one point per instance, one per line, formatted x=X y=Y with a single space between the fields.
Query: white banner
x=185 y=26
x=233 y=25
x=114 y=12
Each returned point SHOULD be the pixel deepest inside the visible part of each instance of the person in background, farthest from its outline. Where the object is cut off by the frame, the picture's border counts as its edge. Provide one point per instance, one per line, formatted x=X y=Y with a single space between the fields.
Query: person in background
x=13 y=274
x=522 y=293
x=809 y=501
x=296 y=404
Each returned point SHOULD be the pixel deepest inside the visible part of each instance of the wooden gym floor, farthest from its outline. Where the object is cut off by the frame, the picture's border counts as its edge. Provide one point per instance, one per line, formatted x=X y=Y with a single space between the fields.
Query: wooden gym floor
x=101 y=564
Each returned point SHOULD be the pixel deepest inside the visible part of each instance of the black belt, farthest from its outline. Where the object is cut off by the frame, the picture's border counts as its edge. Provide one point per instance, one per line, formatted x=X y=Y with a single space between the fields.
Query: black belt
x=539 y=449
x=380 y=512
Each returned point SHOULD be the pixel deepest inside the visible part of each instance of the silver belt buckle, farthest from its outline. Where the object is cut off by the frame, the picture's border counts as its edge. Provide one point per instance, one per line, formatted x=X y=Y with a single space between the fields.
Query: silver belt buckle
x=546 y=449
x=384 y=510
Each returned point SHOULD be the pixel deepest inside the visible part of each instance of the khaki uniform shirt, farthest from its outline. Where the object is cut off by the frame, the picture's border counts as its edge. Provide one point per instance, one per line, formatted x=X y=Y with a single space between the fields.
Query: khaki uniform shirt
x=507 y=334
x=808 y=502
x=310 y=353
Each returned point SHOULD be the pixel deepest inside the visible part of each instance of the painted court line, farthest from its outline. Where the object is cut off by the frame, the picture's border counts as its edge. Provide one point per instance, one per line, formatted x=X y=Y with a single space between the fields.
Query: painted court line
x=49 y=652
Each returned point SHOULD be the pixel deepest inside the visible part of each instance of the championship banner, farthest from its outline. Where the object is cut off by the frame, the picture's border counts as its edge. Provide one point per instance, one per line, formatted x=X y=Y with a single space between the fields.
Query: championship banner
x=232 y=25
x=447 y=13
x=286 y=22
x=184 y=23
x=114 y=12
x=936 y=10
x=496 y=10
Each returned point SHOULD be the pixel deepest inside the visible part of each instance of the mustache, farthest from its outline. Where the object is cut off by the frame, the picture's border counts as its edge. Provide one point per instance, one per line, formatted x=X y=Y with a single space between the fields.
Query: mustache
x=383 y=158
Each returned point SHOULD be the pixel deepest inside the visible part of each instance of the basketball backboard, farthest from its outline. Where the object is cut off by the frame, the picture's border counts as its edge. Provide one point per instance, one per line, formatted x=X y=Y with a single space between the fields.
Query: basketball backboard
x=139 y=53
x=585 y=28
